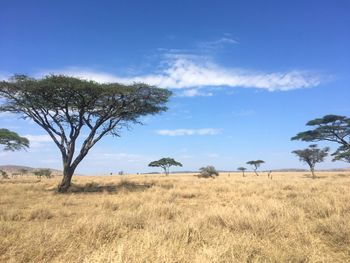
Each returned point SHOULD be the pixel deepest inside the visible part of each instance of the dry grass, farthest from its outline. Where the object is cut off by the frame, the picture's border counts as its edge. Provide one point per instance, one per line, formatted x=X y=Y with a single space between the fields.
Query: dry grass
x=179 y=218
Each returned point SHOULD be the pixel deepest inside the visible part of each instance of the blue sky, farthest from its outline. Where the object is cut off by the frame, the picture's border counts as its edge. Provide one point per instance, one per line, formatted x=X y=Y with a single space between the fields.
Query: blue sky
x=246 y=75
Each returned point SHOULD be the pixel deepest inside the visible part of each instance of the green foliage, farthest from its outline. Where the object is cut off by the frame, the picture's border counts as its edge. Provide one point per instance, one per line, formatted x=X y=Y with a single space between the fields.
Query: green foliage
x=208 y=172
x=333 y=128
x=43 y=173
x=312 y=155
x=165 y=163
x=242 y=169
x=256 y=164
x=12 y=141
x=63 y=106
x=342 y=154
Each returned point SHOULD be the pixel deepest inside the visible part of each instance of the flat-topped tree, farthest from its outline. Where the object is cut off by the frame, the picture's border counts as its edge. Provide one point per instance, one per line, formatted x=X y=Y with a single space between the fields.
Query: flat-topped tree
x=12 y=141
x=333 y=128
x=242 y=169
x=256 y=164
x=311 y=156
x=165 y=163
x=69 y=109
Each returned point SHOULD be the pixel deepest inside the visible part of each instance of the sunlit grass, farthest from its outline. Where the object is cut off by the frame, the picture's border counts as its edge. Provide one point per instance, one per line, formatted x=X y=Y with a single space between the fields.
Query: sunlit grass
x=179 y=218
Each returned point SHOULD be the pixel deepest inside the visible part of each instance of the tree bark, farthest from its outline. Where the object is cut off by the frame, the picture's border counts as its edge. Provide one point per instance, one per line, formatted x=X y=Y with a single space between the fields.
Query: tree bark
x=313 y=173
x=66 y=181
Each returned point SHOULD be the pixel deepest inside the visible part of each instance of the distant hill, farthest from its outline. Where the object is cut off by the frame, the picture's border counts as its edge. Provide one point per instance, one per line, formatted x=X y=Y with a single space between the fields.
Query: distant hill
x=16 y=169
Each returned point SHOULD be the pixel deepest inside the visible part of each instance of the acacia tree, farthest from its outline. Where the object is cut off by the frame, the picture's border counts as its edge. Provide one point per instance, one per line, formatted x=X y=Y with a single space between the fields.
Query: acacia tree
x=242 y=169
x=165 y=163
x=12 y=141
x=71 y=109
x=333 y=128
x=256 y=164
x=311 y=156
x=342 y=154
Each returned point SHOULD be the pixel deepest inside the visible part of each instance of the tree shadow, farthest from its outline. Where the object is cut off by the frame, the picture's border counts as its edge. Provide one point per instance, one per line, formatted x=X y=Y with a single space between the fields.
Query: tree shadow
x=316 y=176
x=109 y=188
x=343 y=175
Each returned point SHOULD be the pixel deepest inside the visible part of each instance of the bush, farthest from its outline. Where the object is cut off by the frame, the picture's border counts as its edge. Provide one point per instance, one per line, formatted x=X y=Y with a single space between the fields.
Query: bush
x=43 y=173
x=4 y=175
x=208 y=172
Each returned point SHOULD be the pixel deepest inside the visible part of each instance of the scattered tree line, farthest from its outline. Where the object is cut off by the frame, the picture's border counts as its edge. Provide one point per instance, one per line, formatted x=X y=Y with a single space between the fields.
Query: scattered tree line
x=63 y=106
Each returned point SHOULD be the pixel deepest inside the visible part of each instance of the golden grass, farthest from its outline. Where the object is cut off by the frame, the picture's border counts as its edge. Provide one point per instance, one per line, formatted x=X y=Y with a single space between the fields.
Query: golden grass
x=179 y=218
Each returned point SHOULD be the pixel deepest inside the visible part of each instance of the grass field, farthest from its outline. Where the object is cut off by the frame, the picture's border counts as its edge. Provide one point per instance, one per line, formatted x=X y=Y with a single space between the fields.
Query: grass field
x=178 y=218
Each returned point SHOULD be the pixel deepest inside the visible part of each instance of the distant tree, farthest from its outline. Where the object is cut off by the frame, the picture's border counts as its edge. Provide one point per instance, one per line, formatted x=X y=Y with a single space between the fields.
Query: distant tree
x=43 y=173
x=256 y=164
x=12 y=141
x=23 y=171
x=208 y=172
x=165 y=163
x=4 y=175
x=72 y=110
x=121 y=173
x=242 y=169
x=333 y=128
x=311 y=156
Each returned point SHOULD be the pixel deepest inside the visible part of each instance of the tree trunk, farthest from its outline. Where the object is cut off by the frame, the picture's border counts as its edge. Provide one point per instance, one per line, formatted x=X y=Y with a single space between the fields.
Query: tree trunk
x=256 y=173
x=67 y=178
x=313 y=173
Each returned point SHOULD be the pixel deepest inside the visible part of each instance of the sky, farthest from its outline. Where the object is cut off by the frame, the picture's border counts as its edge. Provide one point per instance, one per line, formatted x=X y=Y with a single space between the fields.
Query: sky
x=246 y=75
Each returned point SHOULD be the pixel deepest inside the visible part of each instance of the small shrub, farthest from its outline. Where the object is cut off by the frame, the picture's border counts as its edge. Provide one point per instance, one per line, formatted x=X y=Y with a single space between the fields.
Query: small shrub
x=4 y=175
x=208 y=172
x=43 y=173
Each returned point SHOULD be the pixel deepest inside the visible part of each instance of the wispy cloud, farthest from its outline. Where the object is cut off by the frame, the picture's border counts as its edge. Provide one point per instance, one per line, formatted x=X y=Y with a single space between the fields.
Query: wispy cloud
x=218 y=43
x=194 y=93
x=189 y=132
x=188 y=73
x=37 y=141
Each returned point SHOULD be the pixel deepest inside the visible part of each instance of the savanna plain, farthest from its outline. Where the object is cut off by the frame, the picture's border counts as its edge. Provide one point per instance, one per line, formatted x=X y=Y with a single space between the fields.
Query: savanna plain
x=177 y=218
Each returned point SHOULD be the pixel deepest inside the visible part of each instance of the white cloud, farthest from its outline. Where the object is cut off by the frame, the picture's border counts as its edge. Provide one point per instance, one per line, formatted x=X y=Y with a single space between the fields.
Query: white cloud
x=39 y=138
x=189 y=132
x=37 y=141
x=194 y=93
x=186 y=72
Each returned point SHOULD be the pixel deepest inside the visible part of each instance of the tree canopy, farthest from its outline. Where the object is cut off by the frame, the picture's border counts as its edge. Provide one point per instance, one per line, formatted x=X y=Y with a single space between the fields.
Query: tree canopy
x=12 y=141
x=256 y=164
x=65 y=106
x=311 y=156
x=242 y=169
x=333 y=128
x=165 y=163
